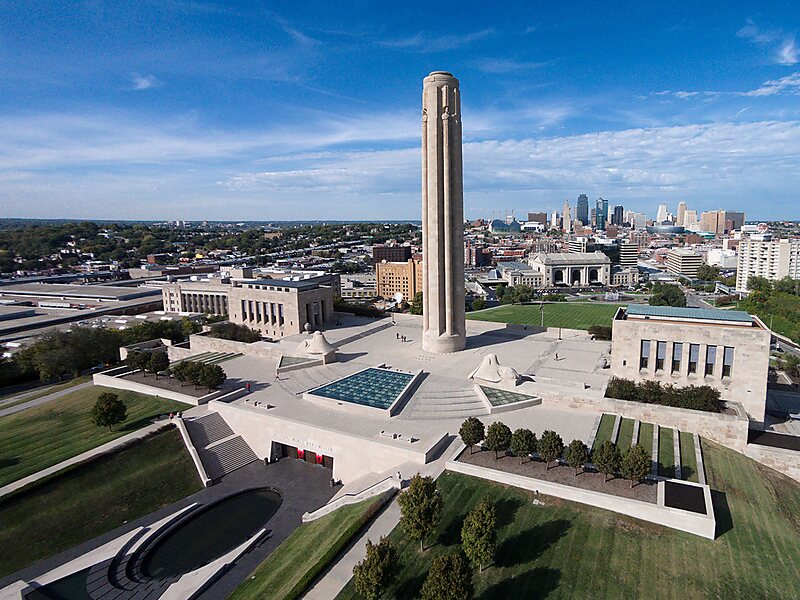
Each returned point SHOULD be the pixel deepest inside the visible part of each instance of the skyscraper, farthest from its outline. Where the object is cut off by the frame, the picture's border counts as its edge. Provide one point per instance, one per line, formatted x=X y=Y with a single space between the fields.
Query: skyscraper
x=567 y=217
x=582 y=214
x=662 y=213
x=443 y=319
x=617 y=216
x=601 y=213
x=681 y=214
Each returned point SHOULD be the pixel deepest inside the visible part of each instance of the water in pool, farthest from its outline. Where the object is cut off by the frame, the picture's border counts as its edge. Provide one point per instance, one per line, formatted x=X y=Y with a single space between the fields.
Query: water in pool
x=210 y=533
x=374 y=387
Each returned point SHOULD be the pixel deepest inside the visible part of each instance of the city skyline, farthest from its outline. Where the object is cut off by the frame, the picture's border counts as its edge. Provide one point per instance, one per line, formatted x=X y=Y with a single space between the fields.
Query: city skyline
x=229 y=111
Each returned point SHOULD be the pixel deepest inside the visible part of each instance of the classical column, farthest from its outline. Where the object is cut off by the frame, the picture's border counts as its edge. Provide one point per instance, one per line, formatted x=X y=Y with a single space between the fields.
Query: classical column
x=444 y=325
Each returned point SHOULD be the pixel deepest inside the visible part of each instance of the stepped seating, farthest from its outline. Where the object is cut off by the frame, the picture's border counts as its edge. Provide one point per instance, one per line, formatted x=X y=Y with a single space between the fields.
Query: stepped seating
x=226 y=456
x=207 y=430
x=209 y=358
x=447 y=404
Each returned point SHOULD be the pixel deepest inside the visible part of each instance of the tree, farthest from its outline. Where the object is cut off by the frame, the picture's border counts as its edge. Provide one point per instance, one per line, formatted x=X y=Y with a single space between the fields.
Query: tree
x=377 y=571
x=211 y=376
x=157 y=362
x=472 y=432
x=759 y=284
x=420 y=507
x=600 y=332
x=606 y=458
x=577 y=455
x=180 y=371
x=523 y=443
x=498 y=438
x=138 y=360
x=109 y=410
x=416 y=304
x=235 y=332
x=707 y=273
x=193 y=371
x=500 y=291
x=479 y=533
x=478 y=304
x=667 y=295
x=551 y=446
x=636 y=463
x=449 y=578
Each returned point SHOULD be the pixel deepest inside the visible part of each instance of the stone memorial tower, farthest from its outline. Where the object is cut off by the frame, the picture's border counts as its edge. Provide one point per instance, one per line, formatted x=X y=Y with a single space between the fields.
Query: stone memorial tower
x=444 y=326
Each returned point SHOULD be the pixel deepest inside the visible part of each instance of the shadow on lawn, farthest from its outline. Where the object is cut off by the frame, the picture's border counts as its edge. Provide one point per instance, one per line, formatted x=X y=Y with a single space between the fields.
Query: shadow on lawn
x=722 y=512
x=505 y=511
x=526 y=546
x=536 y=583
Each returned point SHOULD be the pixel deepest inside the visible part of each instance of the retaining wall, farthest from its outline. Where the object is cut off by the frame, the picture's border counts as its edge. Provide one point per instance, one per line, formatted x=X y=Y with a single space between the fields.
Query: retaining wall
x=781 y=459
x=697 y=524
x=115 y=381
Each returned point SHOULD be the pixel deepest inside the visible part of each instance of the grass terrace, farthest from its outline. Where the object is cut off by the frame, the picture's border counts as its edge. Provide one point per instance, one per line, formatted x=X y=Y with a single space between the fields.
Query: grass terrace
x=566 y=550
x=604 y=431
x=290 y=569
x=688 y=458
x=666 y=452
x=646 y=435
x=45 y=435
x=92 y=498
x=41 y=392
x=569 y=315
x=625 y=435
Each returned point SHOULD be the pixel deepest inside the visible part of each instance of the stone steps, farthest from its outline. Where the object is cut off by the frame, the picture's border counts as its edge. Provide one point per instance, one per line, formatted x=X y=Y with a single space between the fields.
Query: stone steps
x=227 y=456
x=208 y=429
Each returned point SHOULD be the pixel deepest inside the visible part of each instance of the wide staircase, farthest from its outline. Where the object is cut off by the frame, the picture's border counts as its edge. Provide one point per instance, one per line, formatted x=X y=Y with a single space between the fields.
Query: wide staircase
x=446 y=404
x=297 y=382
x=221 y=450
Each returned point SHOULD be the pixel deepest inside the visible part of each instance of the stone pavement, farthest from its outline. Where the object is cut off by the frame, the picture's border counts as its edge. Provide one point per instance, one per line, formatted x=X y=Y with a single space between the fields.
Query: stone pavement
x=36 y=402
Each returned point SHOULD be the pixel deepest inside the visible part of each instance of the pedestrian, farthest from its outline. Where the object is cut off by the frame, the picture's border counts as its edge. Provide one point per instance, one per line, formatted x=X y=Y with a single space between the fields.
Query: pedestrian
x=556 y=355
x=247 y=387
x=397 y=335
x=170 y=416
x=399 y=477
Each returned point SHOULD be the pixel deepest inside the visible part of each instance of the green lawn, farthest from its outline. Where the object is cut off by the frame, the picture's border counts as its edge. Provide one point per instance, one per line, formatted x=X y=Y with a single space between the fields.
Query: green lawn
x=565 y=550
x=604 y=430
x=646 y=435
x=44 y=391
x=666 y=452
x=625 y=434
x=688 y=458
x=93 y=498
x=45 y=435
x=305 y=553
x=569 y=315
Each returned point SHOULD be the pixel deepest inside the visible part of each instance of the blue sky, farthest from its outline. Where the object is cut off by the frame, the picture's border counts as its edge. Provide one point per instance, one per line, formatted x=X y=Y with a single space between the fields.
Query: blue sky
x=181 y=109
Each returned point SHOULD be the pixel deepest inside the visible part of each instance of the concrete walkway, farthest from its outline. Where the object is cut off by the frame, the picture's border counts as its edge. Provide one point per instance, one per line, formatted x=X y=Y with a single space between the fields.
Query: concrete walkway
x=139 y=433
x=337 y=576
x=36 y=402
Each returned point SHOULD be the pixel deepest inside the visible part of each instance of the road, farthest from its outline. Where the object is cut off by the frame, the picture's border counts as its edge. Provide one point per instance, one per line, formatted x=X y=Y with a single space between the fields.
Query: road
x=54 y=396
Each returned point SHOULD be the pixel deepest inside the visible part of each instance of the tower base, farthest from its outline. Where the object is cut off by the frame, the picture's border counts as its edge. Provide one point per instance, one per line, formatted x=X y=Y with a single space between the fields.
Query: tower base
x=442 y=344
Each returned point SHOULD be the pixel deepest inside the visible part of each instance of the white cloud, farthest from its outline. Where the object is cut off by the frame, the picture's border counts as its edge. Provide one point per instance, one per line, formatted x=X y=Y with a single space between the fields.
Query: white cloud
x=143 y=82
x=788 y=53
x=425 y=41
x=788 y=85
x=754 y=33
x=505 y=65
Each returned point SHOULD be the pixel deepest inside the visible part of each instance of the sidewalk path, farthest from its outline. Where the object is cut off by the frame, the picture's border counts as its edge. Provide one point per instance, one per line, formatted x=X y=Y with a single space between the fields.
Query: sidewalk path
x=44 y=399
x=337 y=576
x=139 y=433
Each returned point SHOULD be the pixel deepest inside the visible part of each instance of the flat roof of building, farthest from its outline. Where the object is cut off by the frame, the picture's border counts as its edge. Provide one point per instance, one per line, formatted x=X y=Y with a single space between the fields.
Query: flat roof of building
x=88 y=292
x=691 y=314
x=514 y=266
x=571 y=258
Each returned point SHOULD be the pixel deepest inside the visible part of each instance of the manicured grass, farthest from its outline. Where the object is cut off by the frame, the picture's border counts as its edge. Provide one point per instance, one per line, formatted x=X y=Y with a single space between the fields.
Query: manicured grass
x=569 y=315
x=45 y=391
x=688 y=458
x=625 y=434
x=45 y=435
x=666 y=452
x=310 y=548
x=94 y=497
x=604 y=430
x=564 y=550
x=646 y=435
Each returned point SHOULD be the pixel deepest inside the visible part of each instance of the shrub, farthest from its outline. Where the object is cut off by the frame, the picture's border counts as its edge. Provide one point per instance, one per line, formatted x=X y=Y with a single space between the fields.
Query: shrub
x=498 y=438
x=360 y=310
x=523 y=443
x=577 y=455
x=600 y=332
x=472 y=432
x=606 y=458
x=550 y=447
x=234 y=332
x=636 y=463
x=695 y=397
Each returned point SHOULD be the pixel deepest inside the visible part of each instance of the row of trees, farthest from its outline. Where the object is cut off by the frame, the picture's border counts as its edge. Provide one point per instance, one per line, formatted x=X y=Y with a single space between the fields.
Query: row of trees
x=235 y=332
x=695 y=397
x=157 y=362
x=634 y=465
x=665 y=294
